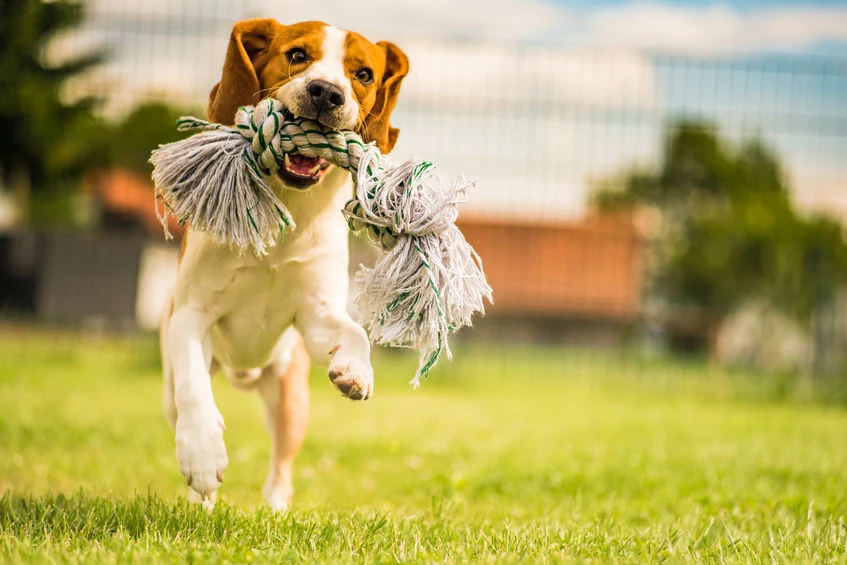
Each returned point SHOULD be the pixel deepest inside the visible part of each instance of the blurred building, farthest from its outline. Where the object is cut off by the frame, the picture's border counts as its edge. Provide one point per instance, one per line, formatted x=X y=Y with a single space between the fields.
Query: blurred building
x=577 y=281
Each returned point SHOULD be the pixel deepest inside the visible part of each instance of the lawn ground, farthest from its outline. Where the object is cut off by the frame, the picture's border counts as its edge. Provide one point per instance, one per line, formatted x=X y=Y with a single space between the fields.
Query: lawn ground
x=505 y=455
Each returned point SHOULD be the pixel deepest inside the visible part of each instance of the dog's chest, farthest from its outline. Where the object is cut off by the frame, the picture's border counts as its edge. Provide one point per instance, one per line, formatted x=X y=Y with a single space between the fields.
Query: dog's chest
x=258 y=298
x=258 y=304
x=251 y=300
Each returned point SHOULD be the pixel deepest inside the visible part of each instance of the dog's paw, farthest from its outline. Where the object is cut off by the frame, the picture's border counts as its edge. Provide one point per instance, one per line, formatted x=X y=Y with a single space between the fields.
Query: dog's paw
x=208 y=502
x=200 y=450
x=354 y=380
x=278 y=497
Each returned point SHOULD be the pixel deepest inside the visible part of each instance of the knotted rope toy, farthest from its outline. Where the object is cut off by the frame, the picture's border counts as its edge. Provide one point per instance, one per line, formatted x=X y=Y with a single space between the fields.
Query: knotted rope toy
x=429 y=280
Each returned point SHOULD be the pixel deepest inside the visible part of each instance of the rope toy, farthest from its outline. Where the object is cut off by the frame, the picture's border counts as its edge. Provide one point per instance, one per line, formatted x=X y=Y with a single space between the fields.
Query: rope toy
x=429 y=280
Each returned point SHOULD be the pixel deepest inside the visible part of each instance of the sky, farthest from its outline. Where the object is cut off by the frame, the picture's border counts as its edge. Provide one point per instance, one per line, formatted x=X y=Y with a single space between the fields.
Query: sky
x=818 y=26
x=714 y=27
x=538 y=98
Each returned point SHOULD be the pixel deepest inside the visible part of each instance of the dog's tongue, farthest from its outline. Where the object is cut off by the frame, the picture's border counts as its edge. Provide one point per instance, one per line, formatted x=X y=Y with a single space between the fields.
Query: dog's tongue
x=302 y=165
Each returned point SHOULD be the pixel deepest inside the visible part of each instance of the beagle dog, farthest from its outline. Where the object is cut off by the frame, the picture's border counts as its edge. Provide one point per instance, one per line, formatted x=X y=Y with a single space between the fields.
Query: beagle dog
x=261 y=319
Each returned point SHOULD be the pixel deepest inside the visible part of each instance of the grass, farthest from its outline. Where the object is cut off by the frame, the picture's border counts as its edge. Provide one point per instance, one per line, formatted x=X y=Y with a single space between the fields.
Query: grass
x=504 y=455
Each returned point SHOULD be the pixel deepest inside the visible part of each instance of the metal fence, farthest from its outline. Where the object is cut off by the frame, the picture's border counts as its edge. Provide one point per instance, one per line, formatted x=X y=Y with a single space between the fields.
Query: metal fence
x=540 y=125
x=540 y=119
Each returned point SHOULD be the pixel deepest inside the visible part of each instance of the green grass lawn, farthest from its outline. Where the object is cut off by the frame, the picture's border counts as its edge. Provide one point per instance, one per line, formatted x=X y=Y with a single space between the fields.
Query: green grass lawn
x=504 y=455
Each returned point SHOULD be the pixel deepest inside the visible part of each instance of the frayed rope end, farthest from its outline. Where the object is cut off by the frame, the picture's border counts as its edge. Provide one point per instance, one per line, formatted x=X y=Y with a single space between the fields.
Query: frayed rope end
x=212 y=181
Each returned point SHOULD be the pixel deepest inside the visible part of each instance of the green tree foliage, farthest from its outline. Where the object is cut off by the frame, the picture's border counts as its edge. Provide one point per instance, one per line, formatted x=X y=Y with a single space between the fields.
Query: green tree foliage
x=729 y=231
x=144 y=129
x=50 y=143
x=40 y=149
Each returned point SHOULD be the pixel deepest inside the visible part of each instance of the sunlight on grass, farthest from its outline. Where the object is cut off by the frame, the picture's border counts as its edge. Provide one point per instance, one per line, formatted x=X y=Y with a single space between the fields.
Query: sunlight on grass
x=506 y=454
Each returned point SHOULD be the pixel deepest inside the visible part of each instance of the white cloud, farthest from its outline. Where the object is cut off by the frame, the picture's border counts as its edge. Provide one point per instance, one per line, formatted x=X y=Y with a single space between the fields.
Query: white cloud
x=396 y=19
x=712 y=28
x=717 y=29
x=495 y=72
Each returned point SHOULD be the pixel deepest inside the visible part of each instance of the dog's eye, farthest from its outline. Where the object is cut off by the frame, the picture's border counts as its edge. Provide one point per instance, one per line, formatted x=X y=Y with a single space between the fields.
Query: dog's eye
x=296 y=55
x=365 y=75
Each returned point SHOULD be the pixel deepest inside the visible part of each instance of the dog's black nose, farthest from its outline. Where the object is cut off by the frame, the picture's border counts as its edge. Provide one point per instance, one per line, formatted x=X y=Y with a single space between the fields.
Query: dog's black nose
x=325 y=95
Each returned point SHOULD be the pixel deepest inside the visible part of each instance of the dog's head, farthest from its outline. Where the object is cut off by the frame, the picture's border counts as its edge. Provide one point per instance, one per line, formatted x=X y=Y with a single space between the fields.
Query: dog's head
x=335 y=77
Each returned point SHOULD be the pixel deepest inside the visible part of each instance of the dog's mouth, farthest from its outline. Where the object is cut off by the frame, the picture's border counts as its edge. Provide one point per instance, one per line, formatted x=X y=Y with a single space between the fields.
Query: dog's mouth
x=299 y=171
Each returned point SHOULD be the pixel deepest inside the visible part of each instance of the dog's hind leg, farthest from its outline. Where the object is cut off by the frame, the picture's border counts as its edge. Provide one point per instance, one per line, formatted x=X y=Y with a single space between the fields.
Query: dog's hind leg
x=168 y=403
x=285 y=389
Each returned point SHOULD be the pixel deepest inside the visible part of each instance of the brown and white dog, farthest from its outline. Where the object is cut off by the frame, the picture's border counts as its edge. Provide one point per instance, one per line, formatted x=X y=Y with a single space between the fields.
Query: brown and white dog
x=261 y=319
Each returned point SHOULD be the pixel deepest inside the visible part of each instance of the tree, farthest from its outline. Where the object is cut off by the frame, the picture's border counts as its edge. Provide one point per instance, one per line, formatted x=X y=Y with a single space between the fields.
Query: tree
x=730 y=233
x=143 y=129
x=47 y=142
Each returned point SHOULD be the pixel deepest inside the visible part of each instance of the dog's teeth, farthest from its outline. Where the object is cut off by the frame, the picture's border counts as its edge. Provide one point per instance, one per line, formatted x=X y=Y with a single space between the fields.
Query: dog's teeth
x=314 y=170
x=286 y=160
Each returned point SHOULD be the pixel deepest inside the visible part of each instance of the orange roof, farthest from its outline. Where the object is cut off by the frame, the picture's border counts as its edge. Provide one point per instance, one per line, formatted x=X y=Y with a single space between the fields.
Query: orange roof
x=131 y=195
x=586 y=269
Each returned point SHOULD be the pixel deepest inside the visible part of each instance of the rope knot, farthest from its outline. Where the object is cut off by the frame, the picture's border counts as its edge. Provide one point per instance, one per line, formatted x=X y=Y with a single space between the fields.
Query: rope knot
x=261 y=126
x=406 y=200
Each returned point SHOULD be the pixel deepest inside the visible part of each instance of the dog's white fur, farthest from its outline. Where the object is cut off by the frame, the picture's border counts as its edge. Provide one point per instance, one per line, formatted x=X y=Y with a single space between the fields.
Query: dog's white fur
x=245 y=312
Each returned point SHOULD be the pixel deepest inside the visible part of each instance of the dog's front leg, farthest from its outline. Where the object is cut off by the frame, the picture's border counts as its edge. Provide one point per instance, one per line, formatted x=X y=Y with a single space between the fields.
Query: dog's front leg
x=331 y=335
x=200 y=446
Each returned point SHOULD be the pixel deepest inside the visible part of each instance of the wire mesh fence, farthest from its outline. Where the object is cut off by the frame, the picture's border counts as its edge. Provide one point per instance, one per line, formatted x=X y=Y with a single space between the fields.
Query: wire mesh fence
x=545 y=128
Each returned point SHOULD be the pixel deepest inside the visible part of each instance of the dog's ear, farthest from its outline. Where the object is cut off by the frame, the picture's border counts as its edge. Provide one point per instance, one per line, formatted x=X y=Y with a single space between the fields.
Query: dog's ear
x=246 y=56
x=377 y=126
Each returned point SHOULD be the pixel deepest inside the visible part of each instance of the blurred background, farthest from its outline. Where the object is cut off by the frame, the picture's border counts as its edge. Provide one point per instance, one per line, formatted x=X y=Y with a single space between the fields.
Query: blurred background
x=657 y=178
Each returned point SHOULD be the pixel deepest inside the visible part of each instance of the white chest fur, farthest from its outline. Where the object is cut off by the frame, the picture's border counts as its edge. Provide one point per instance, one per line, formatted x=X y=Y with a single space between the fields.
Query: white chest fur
x=250 y=300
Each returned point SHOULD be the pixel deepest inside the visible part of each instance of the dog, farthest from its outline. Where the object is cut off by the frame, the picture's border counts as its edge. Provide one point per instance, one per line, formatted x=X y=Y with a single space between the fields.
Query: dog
x=263 y=319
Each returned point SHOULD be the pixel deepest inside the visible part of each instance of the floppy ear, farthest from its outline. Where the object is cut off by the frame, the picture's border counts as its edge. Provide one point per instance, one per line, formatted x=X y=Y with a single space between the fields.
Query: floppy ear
x=246 y=57
x=377 y=126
